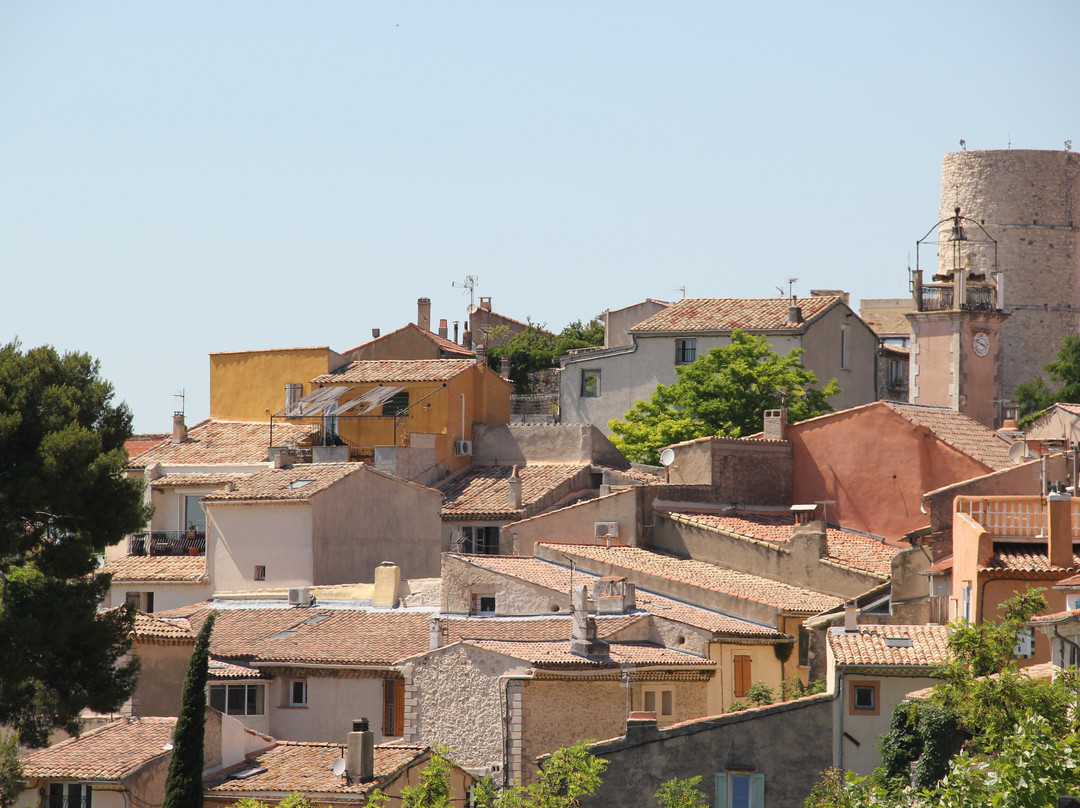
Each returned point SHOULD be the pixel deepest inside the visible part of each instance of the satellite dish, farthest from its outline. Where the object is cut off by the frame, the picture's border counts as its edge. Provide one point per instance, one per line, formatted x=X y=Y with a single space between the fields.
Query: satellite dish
x=338 y=767
x=667 y=457
x=1018 y=453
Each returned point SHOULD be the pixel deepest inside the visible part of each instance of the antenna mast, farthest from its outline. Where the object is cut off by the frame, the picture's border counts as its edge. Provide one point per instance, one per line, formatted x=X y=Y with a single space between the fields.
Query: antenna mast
x=469 y=284
x=182 y=396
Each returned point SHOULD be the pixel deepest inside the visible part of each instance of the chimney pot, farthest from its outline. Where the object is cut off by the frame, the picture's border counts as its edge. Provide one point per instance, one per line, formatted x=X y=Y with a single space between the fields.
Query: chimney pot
x=851 y=618
x=360 y=762
x=179 y=429
x=485 y=303
x=1059 y=518
x=775 y=424
x=455 y=332
x=515 y=489
x=375 y=333
x=442 y=328
x=423 y=313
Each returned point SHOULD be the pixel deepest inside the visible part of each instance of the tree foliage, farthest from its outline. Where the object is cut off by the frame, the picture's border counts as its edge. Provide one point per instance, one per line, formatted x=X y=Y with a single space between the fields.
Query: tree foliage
x=63 y=499
x=536 y=348
x=725 y=393
x=183 y=783
x=11 y=771
x=678 y=793
x=1036 y=395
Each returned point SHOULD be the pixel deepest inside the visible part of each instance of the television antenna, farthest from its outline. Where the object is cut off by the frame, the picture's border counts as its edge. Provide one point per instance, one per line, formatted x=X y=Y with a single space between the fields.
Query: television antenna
x=183 y=397
x=469 y=284
x=790 y=285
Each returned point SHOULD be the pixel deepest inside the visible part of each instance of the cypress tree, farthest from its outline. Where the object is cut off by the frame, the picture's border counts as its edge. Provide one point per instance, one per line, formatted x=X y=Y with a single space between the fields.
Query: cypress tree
x=183 y=784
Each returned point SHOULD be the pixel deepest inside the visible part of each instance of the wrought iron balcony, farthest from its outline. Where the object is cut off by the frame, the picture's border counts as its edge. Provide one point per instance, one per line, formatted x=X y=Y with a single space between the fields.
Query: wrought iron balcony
x=167 y=543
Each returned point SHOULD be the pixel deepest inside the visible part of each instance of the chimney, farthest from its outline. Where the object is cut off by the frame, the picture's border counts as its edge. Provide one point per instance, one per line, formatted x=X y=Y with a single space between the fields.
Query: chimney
x=423 y=313
x=179 y=430
x=794 y=315
x=851 y=618
x=455 y=332
x=481 y=355
x=613 y=595
x=776 y=424
x=466 y=337
x=505 y=369
x=515 y=488
x=435 y=634
x=485 y=303
x=1059 y=517
x=375 y=333
x=641 y=724
x=387 y=585
x=442 y=328
x=583 y=640
x=360 y=762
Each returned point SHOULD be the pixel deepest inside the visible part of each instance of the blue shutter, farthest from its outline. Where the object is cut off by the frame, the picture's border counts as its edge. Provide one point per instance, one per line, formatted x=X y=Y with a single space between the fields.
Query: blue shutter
x=721 y=790
x=757 y=790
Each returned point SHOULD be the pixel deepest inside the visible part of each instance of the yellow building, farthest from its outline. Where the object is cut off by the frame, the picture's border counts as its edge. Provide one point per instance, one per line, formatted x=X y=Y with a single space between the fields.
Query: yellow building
x=252 y=385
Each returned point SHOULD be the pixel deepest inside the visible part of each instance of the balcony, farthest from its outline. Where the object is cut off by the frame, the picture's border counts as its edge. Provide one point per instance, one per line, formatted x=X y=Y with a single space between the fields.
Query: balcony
x=167 y=543
x=1013 y=518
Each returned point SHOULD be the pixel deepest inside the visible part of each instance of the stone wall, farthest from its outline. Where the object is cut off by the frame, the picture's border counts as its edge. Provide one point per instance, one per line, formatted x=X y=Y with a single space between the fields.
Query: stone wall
x=541 y=443
x=749 y=472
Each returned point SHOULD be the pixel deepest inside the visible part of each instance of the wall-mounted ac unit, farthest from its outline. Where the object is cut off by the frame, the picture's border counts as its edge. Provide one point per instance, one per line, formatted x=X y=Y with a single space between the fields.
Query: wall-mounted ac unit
x=462 y=448
x=606 y=529
x=299 y=596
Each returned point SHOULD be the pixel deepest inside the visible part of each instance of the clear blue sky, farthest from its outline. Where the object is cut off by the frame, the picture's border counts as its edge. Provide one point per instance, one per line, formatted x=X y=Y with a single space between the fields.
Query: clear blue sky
x=183 y=178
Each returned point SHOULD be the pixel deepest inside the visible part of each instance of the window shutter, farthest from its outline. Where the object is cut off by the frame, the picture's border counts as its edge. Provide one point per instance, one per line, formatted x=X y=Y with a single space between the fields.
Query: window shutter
x=399 y=707
x=757 y=790
x=721 y=790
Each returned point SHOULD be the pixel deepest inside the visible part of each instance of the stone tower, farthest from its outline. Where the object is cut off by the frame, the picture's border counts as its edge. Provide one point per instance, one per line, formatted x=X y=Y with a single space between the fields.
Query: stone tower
x=1029 y=202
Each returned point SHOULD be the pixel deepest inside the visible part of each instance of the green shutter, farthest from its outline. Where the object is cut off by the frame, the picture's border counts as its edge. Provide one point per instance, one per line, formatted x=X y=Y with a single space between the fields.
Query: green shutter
x=757 y=790
x=721 y=790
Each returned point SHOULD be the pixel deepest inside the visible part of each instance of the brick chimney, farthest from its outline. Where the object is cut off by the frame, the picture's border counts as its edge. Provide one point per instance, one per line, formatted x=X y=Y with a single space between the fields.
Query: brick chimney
x=179 y=429
x=485 y=303
x=583 y=640
x=442 y=328
x=515 y=488
x=775 y=425
x=423 y=313
x=1059 y=517
x=360 y=762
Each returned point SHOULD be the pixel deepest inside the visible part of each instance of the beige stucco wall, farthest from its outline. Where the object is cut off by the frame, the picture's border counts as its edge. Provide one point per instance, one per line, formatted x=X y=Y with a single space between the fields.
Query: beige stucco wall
x=764 y=667
x=543 y=443
x=161 y=678
x=334 y=700
x=864 y=728
x=275 y=535
x=821 y=354
x=577 y=523
x=166 y=595
x=618 y=322
x=462 y=580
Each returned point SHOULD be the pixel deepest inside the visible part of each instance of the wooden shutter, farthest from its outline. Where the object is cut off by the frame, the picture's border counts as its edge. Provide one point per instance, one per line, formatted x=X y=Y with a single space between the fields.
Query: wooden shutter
x=757 y=790
x=742 y=674
x=721 y=790
x=393 y=708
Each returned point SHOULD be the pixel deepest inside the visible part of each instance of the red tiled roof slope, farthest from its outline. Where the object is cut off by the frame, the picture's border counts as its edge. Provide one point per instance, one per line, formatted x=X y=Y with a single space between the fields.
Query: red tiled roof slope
x=730 y=313
x=870 y=646
x=107 y=753
x=396 y=370
x=557 y=655
x=484 y=491
x=223 y=442
x=1016 y=557
x=294 y=483
x=164 y=569
x=443 y=343
x=959 y=431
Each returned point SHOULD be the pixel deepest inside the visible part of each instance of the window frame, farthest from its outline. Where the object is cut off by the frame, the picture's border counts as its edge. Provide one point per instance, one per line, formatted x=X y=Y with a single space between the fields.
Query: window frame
x=685 y=351
x=845 y=349
x=587 y=375
x=856 y=685
x=396 y=405
x=291 y=700
x=260 y=572
x=724 y=785
x=250 y=690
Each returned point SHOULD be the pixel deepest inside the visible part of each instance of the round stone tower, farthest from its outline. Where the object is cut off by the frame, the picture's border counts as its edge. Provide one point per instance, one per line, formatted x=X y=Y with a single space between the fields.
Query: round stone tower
x=1029 y=201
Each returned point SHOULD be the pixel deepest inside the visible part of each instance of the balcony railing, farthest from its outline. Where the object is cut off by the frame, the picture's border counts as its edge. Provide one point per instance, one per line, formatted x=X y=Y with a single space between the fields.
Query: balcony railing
x=941 y=297
x=1013 y=517
x=167 y=543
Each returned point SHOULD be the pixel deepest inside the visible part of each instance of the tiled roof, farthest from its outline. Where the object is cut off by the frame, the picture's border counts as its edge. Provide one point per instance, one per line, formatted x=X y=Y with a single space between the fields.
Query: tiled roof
x=443 y=343
x=557 y=655
x=537 y=629
x=162 y=569
x=316 y=636
x=305 y=766
x=1021 y=557
x=891 y=646
x=482 y=491
x=705 y=576
x=219 y=669
x=959 y=431
x=728 y=313
x=292 y=484
x=150 y=629
x=847 y=549
x=223 y=442
x=139 y=443
x=194 y=480
x=552 y=576
x=396 y=370
x=107 y=753
x=1068 y=583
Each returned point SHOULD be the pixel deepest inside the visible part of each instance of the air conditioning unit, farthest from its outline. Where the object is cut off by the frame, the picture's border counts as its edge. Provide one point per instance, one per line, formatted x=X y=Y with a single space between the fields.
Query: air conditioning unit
x=299 y=596
x=462 y=448
x=606 y=530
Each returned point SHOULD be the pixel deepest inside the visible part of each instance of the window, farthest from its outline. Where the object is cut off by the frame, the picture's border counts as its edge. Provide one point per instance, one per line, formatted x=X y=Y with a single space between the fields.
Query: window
x=142 y=601
x=742 y=674
x=864 y=698
x=298 y=693
x=685 y=351
x=965 y=607
x=844 y=352
x=896 y=373
x=1025 y=643
x=260 y=572
x=397 y=404
x=480 y=540
x=238 y=699
x=70 y=795
x=484 y=605
x=666 y=701
x=193 y=514
x=393 y=708
x=740 y=790
x=590 y=384
x=804 y=645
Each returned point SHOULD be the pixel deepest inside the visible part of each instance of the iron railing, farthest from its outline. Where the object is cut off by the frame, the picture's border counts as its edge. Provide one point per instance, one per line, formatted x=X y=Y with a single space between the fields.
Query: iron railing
x=167 y=543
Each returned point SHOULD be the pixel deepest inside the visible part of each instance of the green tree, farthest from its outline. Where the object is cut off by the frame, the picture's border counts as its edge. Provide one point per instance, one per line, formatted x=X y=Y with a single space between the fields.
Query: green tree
x=725 y=393
x=678 y=793
x=183 y=783
x=1035 y=395
x=11 y=772
x=536 y=348
x=63 y=499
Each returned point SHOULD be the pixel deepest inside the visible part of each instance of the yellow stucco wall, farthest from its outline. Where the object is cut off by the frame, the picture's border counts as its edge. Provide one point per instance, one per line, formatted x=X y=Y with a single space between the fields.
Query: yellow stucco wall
x=245 y=384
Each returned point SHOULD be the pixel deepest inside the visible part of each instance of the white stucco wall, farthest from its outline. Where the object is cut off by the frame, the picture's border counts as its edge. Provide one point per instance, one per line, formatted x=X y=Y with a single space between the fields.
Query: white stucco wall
x=334 y=700
x=243 y=535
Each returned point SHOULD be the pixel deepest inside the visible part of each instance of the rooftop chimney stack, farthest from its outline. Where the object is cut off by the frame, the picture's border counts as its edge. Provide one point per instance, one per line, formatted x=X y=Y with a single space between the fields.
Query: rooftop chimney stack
x=515 y=488
x=179 y=429
x=481 y=354
x=1059 y=518
x=360 y=762
x=423 y=313
x=505 y=368
x=456 y=332
x=775 y=426
x=583 y=640
x=375 y=332
x=435 y=634
x=485 y=303
x=851 y=618
x=613 y=595
x=442 y=328
x=387 y=585
x=794 y=315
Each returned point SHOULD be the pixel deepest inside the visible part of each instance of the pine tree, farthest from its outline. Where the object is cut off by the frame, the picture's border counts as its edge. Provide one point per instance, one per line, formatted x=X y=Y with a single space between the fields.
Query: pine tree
x=183 y=784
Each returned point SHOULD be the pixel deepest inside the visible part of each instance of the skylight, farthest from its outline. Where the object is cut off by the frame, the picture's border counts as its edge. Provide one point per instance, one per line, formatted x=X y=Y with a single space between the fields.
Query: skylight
x=300 y=483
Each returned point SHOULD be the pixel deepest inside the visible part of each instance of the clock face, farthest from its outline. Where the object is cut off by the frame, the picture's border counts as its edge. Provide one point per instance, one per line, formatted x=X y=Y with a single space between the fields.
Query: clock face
x=981 y=344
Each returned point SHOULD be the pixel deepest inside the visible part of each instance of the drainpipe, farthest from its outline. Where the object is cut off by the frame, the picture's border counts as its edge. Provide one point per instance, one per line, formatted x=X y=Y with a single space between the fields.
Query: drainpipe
x=463 y=416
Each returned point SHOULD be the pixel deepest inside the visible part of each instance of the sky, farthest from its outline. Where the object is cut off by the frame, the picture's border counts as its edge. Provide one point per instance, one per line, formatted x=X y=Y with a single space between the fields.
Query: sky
x=178 y=179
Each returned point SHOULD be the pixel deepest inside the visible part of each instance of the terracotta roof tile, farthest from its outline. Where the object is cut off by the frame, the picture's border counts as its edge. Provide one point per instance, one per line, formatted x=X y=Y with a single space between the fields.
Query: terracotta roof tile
x=482 y=491
x=1024 y=557
x=533 y=629
x=959 y=431
x=557 y=655
x=195 y=480
x=107 y=753
x=847 y=549
x=223 y=442
x=396 y=370
x=305 y=766
x=891 y=646
x=706 y=576
x=219 y=669
x=139 y=443
x=728 y=313
x=149 y=628
x=159 y=569
x=291 y=484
